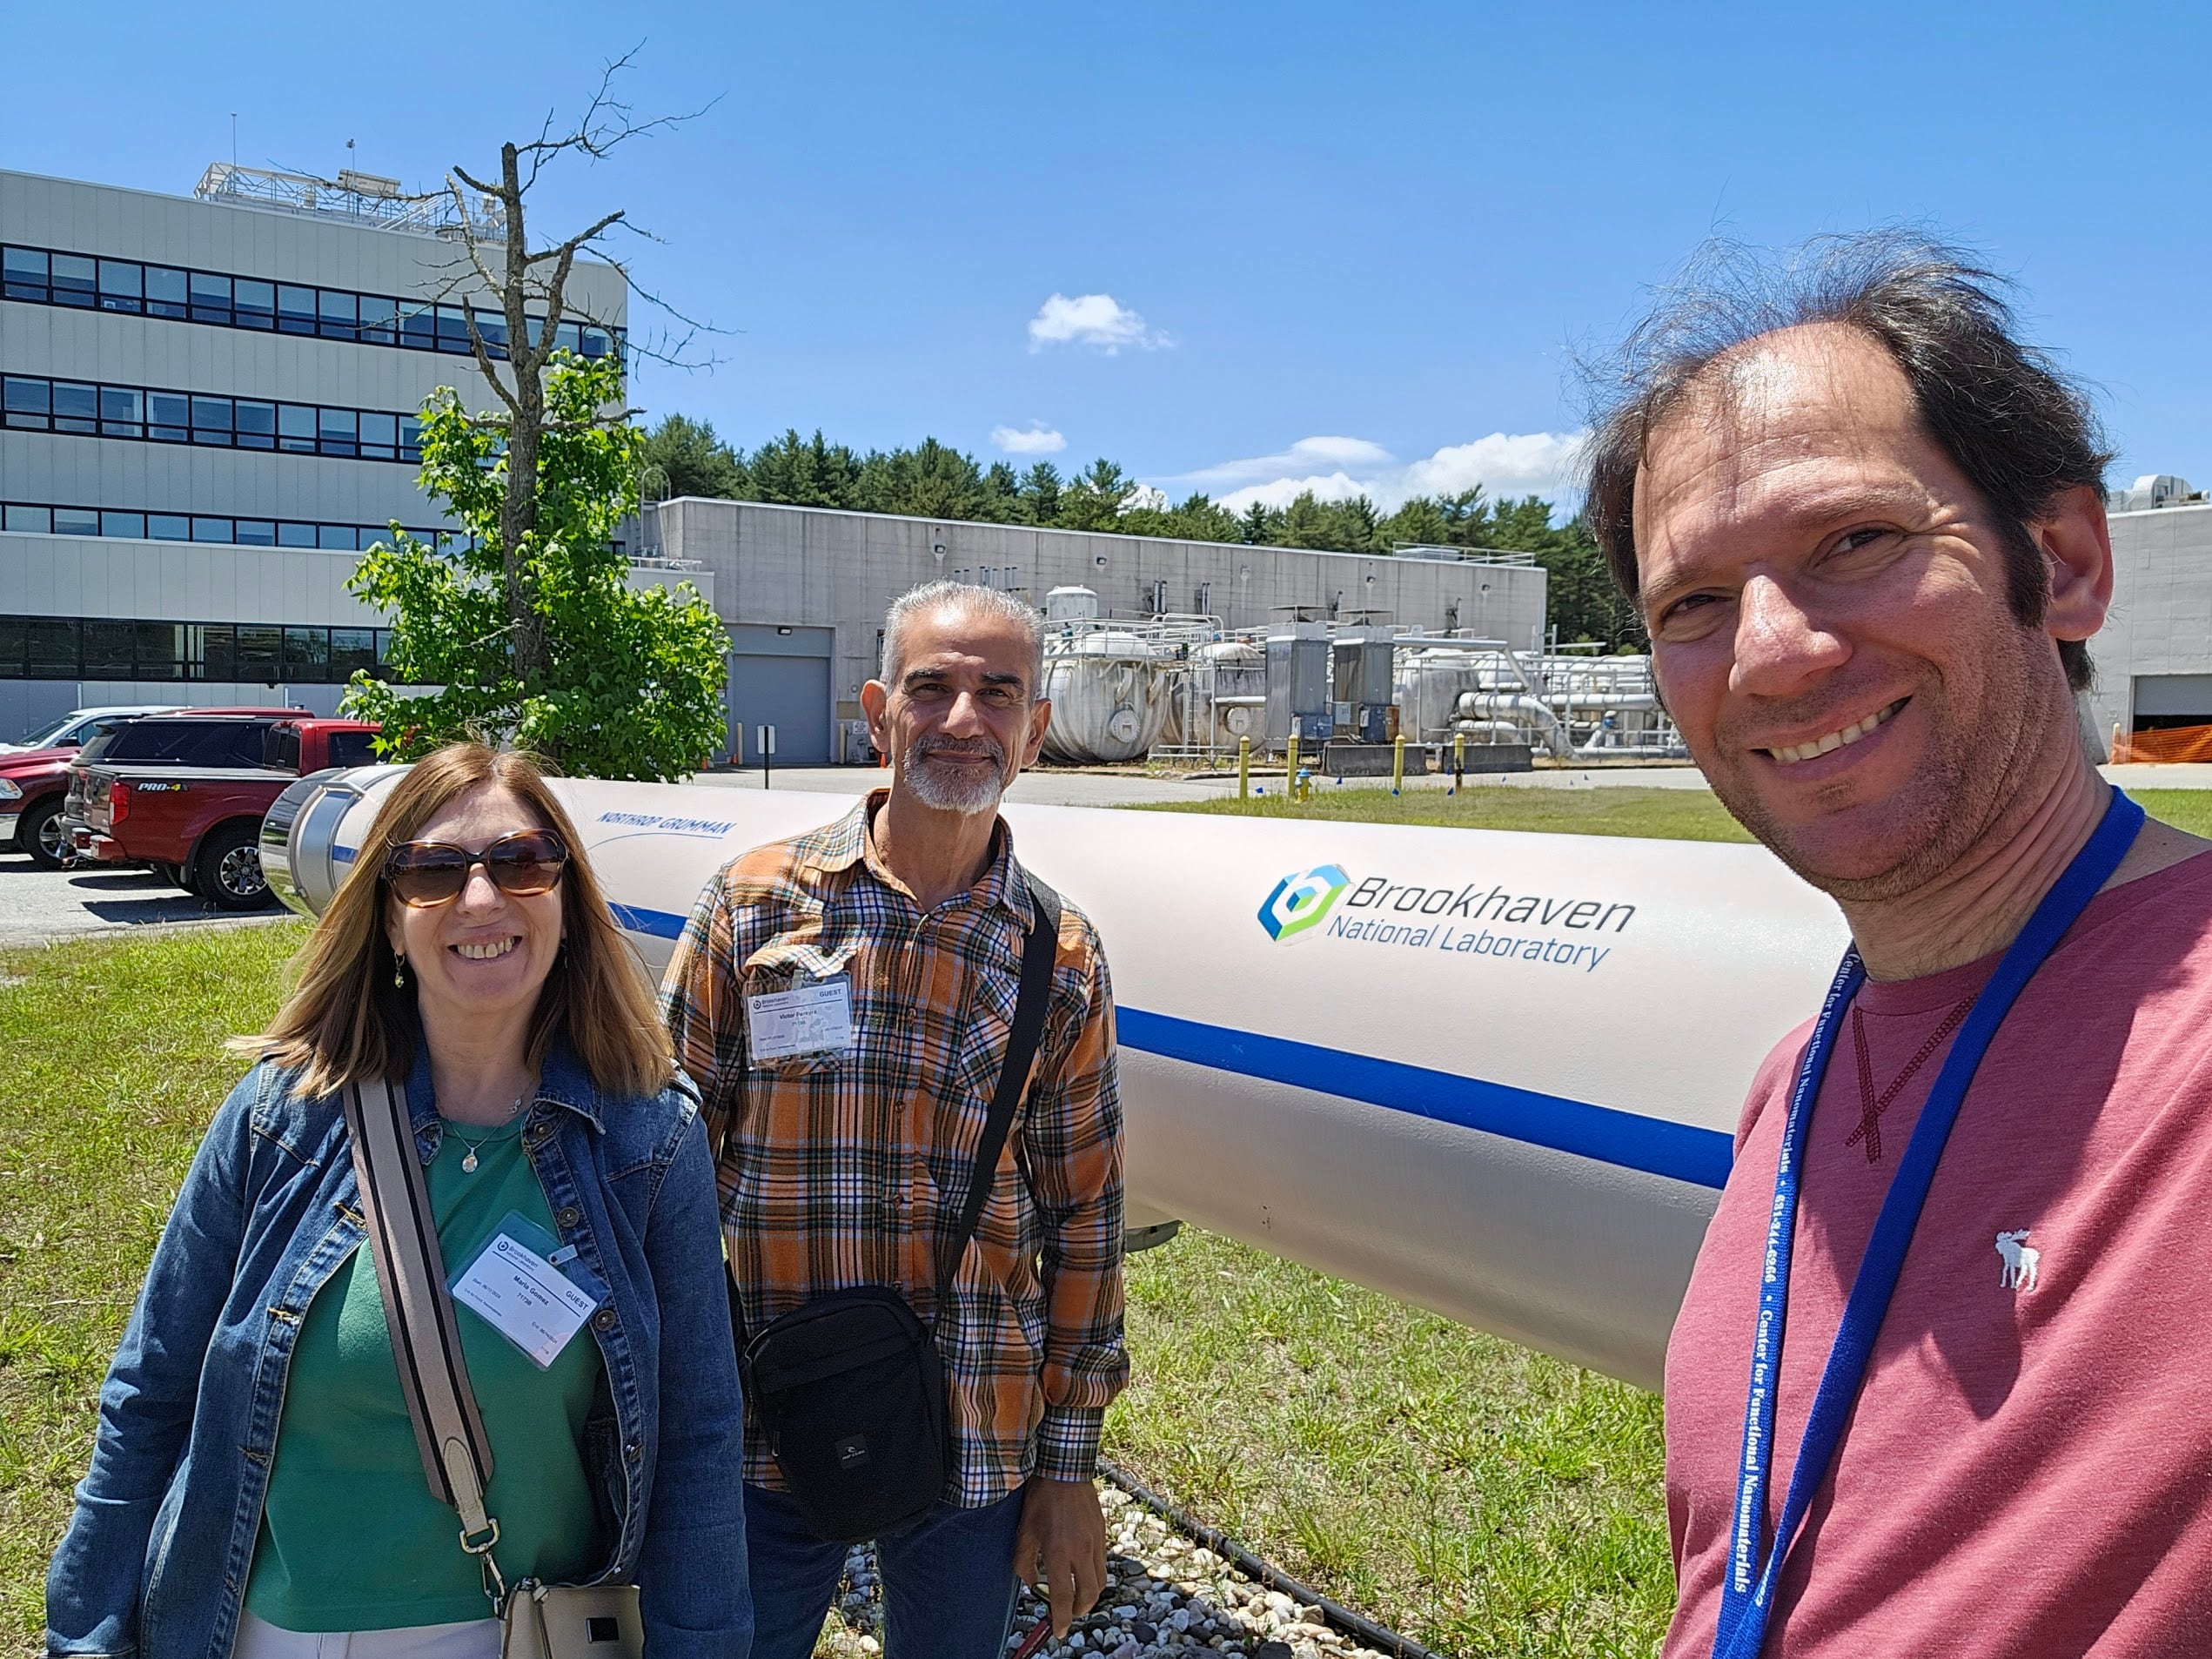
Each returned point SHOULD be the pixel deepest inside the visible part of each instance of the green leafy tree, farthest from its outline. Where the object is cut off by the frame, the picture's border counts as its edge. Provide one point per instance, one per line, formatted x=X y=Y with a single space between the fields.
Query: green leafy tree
x=1002 y=502
x=801 y=472
x=1040 y=494
x=628 y=682
x=931 y=481
x=1195 y=518
x=683 y=457
x=1093 y=500
x=1353 y=525
x=1261 y=527
x=1303 y=523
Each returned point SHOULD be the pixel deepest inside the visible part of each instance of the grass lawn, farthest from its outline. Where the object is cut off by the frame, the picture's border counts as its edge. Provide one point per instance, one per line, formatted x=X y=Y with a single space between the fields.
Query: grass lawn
x=1665 y=815
x=113 y=1051
x=1478 y=1497
x=2190 y=809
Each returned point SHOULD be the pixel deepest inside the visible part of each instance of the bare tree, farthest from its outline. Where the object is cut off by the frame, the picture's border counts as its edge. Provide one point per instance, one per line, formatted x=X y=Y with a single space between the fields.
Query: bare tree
x=532 y=288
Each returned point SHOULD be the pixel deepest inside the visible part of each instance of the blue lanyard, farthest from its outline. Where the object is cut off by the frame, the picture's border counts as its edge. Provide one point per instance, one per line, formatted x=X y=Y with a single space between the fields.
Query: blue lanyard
x=1747 y=1588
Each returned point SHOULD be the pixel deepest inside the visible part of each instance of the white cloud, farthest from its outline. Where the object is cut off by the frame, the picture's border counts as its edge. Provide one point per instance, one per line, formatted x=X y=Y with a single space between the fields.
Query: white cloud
x=1096 y=320
x=1505 y=464
x=1035 y=439
x=1526 y=463
x=1308 y=454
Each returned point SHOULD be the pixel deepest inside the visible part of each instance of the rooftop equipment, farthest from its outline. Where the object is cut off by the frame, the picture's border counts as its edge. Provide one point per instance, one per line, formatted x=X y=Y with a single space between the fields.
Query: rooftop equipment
x=2154 y=490
x=365 y=198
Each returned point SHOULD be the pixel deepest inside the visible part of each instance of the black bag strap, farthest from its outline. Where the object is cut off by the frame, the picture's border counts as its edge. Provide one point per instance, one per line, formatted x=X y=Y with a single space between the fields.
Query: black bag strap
x=417 y=1313
x=1039 y=951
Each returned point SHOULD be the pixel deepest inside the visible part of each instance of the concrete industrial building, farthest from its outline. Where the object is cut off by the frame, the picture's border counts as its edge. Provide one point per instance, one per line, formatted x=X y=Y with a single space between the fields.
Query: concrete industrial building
x=803 y=591
x=209 y=405
x=2154 y=657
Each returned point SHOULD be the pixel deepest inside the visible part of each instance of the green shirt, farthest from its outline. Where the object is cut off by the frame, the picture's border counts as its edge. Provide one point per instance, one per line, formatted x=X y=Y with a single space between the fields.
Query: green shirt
x=351 y=1537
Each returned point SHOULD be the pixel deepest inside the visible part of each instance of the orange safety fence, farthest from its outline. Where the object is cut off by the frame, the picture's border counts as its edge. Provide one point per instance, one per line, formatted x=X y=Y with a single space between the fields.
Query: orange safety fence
x=2171 y=744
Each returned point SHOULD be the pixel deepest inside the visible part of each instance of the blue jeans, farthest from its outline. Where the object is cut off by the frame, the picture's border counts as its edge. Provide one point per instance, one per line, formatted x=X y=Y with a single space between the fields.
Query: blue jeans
x=948 y=1580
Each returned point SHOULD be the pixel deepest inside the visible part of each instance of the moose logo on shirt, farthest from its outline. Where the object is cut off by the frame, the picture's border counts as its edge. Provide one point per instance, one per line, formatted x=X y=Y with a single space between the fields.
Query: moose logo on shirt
x=2021 y=1260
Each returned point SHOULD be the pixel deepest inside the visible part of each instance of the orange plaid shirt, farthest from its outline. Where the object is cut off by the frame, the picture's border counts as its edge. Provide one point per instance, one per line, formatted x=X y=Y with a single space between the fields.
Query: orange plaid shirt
x=846 y=1169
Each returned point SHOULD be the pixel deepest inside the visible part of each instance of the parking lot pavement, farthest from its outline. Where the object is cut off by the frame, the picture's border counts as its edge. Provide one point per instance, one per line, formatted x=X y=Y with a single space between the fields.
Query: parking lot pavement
x=36 y=904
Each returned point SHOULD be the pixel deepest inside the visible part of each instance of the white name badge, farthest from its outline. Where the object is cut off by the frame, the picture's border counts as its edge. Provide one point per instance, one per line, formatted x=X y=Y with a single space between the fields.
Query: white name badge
x=814 y=1019
x=525 y=1297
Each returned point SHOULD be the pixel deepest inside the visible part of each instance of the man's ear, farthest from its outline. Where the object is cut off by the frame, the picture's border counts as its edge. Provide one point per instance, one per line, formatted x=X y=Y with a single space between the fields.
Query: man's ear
x=1040 y=719
x=875 y=704
x=2076 y=544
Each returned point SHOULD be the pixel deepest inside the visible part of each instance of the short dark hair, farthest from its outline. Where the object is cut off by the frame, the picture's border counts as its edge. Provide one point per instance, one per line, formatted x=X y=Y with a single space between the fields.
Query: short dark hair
x=2021 y=431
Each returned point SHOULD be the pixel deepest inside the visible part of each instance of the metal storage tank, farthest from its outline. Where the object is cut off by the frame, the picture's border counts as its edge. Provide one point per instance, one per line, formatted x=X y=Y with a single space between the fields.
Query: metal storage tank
x=1429 y=684
x=1199 y=717
x=1070 y=604
x=1109 y=699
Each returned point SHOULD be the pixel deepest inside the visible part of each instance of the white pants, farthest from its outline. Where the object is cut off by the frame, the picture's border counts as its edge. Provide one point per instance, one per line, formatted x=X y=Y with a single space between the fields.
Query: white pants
x=470 y=1639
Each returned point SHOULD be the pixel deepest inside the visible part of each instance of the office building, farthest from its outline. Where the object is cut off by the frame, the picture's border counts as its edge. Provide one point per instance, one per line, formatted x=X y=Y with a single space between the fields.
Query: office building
x=209 y=408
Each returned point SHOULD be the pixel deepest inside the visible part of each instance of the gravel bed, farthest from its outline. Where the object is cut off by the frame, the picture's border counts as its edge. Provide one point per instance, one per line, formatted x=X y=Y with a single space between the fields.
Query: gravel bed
x=1164 y=1595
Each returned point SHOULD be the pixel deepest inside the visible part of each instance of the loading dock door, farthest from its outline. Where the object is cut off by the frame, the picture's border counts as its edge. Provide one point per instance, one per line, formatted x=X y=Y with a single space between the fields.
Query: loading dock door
x=779 y=677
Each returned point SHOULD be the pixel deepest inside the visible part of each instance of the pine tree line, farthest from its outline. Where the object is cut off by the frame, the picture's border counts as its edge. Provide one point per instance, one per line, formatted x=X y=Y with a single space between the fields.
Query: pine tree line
x=935 y=480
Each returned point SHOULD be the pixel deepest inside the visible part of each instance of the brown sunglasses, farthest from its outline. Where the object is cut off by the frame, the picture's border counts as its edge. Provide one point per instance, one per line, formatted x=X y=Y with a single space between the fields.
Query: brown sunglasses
x=423 y=873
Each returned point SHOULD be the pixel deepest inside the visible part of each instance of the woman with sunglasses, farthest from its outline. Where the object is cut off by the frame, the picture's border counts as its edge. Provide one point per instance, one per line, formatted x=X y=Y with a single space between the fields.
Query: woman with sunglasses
x=256 y=1486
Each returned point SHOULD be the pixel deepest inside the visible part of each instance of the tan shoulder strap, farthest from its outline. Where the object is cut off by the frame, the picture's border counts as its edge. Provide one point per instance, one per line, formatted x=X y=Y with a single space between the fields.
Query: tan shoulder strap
x=425 y=1335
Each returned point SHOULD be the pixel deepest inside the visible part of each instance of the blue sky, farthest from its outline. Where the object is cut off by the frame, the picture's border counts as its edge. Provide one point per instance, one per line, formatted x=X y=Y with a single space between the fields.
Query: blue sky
x=1354 y=243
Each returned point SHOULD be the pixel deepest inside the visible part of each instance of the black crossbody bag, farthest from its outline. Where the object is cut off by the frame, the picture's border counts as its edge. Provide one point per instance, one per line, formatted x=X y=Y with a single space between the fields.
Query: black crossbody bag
x=849 y=1387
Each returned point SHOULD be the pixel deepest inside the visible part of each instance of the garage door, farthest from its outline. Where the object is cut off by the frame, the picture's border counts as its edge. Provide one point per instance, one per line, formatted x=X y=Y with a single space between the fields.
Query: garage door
x=779 y=677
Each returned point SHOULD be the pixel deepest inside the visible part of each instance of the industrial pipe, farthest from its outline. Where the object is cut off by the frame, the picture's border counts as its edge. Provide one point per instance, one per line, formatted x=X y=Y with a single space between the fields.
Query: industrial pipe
x=1494 y=1075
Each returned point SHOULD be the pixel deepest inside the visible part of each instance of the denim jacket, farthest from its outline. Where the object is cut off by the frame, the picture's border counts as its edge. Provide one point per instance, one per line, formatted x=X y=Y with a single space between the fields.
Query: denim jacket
x=155 y=1559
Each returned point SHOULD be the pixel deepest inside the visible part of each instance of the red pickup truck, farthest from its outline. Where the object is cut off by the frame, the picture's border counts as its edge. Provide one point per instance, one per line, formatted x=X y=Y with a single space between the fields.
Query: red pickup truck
x=185 y=794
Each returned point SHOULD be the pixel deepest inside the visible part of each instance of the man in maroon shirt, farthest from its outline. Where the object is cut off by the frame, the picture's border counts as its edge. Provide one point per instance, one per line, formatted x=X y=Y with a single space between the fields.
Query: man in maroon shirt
x=1865 y=528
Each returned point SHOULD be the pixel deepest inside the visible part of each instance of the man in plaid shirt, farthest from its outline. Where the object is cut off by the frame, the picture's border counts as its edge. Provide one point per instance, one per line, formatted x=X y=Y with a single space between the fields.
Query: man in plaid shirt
x=847 y=1166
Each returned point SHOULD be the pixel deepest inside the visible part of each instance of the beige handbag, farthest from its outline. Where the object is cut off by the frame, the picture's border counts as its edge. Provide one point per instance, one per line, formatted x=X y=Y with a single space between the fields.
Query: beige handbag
x=536 y=1621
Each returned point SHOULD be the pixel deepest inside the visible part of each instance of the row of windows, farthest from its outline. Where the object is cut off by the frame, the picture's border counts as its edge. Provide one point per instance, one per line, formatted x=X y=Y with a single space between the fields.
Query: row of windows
x=47 y=278
x=32 y=403
x=72 y=648
x=37 y=518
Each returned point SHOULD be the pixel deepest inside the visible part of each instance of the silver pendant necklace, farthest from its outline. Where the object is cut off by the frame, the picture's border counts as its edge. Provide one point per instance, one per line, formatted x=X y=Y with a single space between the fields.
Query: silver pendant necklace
x=468 y=1163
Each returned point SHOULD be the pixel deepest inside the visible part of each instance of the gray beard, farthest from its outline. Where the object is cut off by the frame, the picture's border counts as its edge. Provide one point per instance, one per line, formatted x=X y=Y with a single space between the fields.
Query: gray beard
x=962 y=790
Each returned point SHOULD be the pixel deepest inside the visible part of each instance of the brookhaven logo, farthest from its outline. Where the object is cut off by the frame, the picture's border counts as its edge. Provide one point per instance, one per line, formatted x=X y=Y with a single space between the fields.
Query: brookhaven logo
x=1301 y=901
x=1515 y=926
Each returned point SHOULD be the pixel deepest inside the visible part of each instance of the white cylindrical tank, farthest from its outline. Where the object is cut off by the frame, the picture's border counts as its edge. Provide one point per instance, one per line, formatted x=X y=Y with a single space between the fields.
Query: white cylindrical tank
x=1109 y=697
x=1429 y=683
x=1494 y=1075
x=1070 y=604
x=1221 y=697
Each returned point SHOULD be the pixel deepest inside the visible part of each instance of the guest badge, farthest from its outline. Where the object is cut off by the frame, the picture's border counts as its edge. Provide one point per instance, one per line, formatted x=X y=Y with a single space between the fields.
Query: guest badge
x=813 y=1018
x=530 y=1288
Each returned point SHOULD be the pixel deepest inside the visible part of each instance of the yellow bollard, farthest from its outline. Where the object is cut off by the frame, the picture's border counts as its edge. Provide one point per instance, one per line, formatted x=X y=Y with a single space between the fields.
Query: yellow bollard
x=1244 y=768
x=1398 y=763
